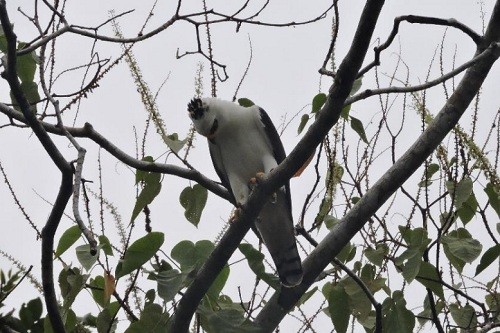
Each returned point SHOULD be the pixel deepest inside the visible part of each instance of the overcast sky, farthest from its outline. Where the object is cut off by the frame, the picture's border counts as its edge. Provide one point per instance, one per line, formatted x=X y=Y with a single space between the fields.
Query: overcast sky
x=282 y=79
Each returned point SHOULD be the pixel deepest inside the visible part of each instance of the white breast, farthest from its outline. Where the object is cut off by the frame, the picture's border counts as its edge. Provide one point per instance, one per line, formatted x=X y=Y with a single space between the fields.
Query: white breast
x=245 y=150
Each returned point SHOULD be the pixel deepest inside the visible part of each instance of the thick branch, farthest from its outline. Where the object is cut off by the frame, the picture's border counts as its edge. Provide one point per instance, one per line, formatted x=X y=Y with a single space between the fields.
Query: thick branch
x=329 y=115
x=65 y=190
x=404 y=167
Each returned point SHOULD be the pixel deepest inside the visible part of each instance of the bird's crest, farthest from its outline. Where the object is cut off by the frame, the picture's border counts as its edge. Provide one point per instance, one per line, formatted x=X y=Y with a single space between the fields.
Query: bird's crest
x=196 y=108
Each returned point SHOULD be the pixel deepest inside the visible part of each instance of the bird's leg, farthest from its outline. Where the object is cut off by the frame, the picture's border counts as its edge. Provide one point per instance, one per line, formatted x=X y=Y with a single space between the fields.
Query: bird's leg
x=254 y=181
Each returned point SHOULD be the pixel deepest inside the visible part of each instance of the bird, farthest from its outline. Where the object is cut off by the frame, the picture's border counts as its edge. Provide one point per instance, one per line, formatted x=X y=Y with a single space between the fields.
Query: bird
x=243 y=143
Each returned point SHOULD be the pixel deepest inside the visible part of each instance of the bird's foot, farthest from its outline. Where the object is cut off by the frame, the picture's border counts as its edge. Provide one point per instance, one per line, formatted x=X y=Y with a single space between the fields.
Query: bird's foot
x=254 y=181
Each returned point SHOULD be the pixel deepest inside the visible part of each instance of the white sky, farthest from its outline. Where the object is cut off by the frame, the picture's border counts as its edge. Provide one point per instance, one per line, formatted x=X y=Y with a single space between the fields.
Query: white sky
x=282 y=79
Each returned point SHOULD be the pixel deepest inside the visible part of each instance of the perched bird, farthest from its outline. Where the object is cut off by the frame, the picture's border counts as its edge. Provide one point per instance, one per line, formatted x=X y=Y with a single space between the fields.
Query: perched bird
x=244 y=142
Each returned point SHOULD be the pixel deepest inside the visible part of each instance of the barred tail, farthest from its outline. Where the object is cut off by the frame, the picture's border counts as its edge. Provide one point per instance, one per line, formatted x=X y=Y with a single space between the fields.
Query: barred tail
x=275 y=226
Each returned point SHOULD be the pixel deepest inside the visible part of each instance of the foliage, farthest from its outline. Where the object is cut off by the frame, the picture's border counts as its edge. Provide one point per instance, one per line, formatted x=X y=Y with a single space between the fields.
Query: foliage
x=427 y=257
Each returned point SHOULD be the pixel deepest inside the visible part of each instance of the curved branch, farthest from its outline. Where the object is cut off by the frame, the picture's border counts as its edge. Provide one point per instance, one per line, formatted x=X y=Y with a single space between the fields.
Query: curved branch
x=88 y=131
x=493 y=48
x=421 y=20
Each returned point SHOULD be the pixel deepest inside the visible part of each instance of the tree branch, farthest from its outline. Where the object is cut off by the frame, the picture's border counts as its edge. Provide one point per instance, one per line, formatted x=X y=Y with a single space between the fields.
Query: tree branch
x=328 y=116
x=405 y=166
x=65 y=190
x=421 y=20
x=88 y=131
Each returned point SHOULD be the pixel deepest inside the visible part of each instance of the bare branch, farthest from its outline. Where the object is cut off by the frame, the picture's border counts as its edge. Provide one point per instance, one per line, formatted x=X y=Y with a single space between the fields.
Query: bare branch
x=88 y=131
x=421 y=20
x=494 y=48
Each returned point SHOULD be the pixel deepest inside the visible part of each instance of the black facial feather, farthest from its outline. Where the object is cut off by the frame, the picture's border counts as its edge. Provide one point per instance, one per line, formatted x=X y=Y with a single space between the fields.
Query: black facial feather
x=196 y=109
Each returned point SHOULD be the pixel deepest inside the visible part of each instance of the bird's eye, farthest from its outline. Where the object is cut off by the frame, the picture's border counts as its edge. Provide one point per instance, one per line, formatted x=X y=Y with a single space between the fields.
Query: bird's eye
x=215 y=125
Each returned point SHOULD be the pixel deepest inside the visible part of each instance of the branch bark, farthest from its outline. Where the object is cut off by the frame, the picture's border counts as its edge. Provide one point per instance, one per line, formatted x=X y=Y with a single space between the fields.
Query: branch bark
x=272 y=313
x=329 y=115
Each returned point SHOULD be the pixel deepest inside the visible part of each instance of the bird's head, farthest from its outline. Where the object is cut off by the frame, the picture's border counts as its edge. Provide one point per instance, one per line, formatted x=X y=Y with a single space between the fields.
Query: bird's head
x=204 y=116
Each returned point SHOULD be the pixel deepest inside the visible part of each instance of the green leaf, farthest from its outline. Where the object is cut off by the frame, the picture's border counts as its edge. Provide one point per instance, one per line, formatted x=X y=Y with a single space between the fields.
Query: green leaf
x=174 y=143
x=318 y=102
x=345 y=112
x=141 y=175
x=245 y=102
x=468 y=209
x=193 y=199
x=152 y=187
x=324 y=209
x=488 y=258
x=417 y=241
x=152 y=320
x=71 y=282
x=460 y=248
x=190 y=255
x=303 y=121
x=225 y=320
x=330 y=221
x=415 y=238
x=357 y=126
x=376 y=256
x=84 y=257
x=256 y=262
x=494 y=197
x=30 y=90
x=347 y=253
x=462 y=245
x=105 y=245
x=105 y=320
x=426 y=314
x=460 y=191
x=358 y=301
x=338 y=308
x=139 y=253
x=412 y=265
x=170 y=283
x=98 y=290
x=36 y=308
x=68 y=238
x=356 y=86
x=429 y=277
x=429 y=172
x=26 y=65
x=493 y=302
x=398 y=318
x=219 y=283
x=464 y=317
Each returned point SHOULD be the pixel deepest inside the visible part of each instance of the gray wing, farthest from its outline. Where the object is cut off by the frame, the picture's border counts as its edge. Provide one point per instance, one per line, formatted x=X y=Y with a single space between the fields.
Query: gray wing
x=216 y=157
x=275 y=221
x=278 y=149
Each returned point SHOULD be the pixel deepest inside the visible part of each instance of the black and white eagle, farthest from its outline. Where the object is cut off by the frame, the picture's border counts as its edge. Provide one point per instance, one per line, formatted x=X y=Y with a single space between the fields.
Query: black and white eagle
x=244 y=142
